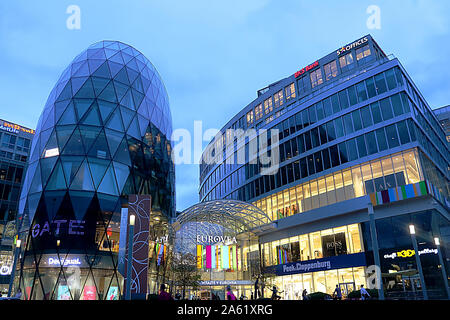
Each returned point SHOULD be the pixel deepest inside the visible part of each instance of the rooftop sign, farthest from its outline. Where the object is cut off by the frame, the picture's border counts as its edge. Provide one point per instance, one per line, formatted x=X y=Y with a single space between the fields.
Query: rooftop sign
x=352 y=45
x=14 y=128
x=307 y=68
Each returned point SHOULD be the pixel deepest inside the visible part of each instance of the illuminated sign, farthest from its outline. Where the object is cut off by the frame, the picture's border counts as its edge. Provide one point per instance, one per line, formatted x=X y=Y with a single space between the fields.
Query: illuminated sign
x=407 y=253
x=352 y=45
x=5 y=270
x=76 y=227
x=51 y=152
x=64 y=262
x=14 y=128
x=307 y=68
x=216 y=239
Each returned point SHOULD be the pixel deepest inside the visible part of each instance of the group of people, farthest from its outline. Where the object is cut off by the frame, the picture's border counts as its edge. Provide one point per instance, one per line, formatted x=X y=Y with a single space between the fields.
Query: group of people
x=337 y=294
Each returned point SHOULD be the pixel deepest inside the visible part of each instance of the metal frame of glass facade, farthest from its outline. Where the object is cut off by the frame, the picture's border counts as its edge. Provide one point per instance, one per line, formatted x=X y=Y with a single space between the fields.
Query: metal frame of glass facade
x=104 y=134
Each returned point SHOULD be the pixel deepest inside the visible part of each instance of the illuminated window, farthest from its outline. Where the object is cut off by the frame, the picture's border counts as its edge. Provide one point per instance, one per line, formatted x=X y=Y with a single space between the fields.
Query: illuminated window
x=362 y=52
x=290 y=91
x=258 y=112
x=316 y=77
x=330 y=70
x=268 y=105
x=346 y=60
x=278 y=97
x=250 y=117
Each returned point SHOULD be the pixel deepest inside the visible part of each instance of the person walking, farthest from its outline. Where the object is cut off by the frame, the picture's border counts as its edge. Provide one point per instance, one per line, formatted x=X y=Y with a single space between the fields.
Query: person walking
x=275 y=296
x=230 y=295
x=364 y=294
x=163 y=294
x=337 y=293
x=305 y=294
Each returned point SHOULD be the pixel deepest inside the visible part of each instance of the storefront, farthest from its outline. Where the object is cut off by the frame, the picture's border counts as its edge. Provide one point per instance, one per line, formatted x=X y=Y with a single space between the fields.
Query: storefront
x=316 y=262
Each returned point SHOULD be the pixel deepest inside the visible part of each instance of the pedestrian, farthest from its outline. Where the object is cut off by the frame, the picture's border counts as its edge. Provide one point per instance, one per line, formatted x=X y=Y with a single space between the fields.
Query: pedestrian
x=163 y=295
x=18 y=294
x=364 y=294
x=275 y=296
x=178 y=296
x=337 y=293
x=230 y=295
x=305 y=294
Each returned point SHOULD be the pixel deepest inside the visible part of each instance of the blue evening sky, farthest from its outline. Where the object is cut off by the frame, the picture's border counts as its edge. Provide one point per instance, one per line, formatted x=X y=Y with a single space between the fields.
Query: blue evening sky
x=213 y=55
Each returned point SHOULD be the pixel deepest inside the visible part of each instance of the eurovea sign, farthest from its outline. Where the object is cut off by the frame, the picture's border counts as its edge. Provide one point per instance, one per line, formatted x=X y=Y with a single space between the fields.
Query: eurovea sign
x=352 y=45
x=307 y=68
x=215 y=239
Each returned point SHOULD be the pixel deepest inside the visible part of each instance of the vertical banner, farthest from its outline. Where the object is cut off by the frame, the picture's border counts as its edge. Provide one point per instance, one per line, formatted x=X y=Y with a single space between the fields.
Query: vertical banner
x=225 y=257
x=213 y=257
x=140 y=207
x=199 y=256
x=208 y=257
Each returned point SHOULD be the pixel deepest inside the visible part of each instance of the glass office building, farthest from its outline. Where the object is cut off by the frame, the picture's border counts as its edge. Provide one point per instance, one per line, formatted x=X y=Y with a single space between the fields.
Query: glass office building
x=15 y=143
x=350 y=129
x=103 y=134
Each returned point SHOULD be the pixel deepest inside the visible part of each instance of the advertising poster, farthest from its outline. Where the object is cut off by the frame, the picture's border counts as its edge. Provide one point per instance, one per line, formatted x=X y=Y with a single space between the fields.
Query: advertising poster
x=63 y=292
x=113 y=293
x=89 y=293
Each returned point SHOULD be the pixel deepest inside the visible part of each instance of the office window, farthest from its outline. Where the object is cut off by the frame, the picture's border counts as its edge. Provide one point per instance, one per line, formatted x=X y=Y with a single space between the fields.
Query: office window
x=343 y=99
x=312 y=114
x=330 y=70
x=356 y=120
x=348 y=125
x=352 y=95
x=403 y=132
x=352 y=150
x=258 y=112
x=386 y=109
x=250 y=117
x=303 y=84
x=319 y=110
x=366 y=117
x=381 y=137
x=290 y=91
x=328 y=111
x=390 y=79
x=331 y=134
x=339 y=127
x=361 y=90
x=346 y=60
x=316 y=77
x=376 y=112
x=360 y=142
x=397 y=104
x=392 y=137
x=380 y=83
x=362 y=52
x=371 y=90
x=335 y=103
x=268 y=105
x=371 y=142
x=278 y=98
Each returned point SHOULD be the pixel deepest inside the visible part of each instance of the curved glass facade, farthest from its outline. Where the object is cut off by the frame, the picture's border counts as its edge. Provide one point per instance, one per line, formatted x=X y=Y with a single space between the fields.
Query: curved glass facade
x=103 y=134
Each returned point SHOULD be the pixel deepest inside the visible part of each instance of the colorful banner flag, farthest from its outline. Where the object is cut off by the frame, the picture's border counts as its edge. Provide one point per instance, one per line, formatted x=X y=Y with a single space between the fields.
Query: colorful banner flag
x=208 y=257
x=199 y=256
x=225 y=257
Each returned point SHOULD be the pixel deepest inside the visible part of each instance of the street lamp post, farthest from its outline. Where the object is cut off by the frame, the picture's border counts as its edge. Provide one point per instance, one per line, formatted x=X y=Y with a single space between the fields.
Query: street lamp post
x=376 y=254
x=130 y=256
x=412 y=232
x=441 y=261
x=13 y=271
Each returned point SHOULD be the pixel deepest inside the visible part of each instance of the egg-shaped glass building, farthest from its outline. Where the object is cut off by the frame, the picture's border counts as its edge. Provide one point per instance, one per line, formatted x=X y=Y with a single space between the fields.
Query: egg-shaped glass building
x=104 y=133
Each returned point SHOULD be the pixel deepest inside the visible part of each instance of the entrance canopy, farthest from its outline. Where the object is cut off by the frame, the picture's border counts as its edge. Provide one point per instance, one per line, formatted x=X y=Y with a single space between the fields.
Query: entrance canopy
x=236 y=215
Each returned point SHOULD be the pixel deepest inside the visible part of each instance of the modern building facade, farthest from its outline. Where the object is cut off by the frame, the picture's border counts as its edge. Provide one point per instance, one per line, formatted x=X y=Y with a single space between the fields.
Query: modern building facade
x=103 y=135
x=443 y=115
x=14 y=152
x=352 y=129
